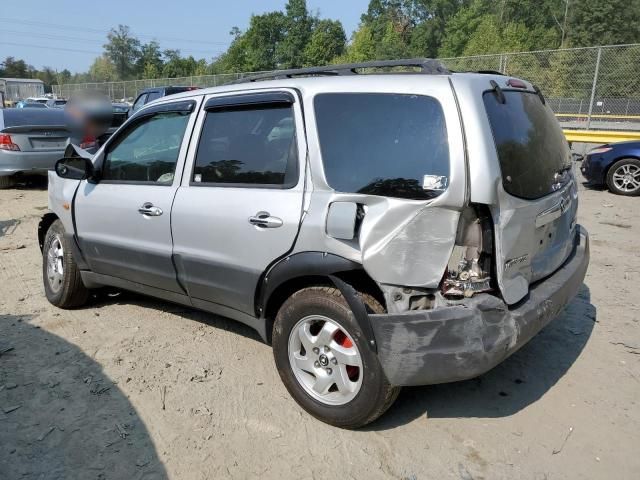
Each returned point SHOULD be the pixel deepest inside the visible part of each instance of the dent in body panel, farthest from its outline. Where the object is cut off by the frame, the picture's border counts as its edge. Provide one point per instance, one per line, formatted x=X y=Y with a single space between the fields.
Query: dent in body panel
x=399 y=242
x=526 y=253
x=415 y=251
x=60 y=193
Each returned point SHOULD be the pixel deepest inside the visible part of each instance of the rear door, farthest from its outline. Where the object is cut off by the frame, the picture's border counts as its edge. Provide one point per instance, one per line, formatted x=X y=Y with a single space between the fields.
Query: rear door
x=240 y=203
x=124 y=221
x=537 y=198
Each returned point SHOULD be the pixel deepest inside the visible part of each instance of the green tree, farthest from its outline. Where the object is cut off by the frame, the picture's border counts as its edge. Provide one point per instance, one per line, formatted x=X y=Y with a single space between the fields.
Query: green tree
x=460 y=27
x=16 y=68
x=150 y=59
x=261 y=41
x=492 y=37
x=362 y=47
x=103 y=70
x=597 y=22
x=296 y=33
x=47 y=75
x=123 y=49
x=327 y=42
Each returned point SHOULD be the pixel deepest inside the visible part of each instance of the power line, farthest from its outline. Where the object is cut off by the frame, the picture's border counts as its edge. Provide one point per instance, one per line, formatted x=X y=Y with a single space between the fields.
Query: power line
x=64 y=38
x=47 y=47
x=102 y=32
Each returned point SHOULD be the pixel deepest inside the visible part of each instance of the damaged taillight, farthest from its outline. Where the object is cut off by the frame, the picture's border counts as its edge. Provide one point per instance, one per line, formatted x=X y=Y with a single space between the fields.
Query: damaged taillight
x=469 y=269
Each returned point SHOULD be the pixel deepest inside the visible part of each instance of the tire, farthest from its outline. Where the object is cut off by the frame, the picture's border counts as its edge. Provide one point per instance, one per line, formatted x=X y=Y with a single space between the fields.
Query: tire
x=60 y=274
x=623 y=177
x=364 y=392
x=6 y=182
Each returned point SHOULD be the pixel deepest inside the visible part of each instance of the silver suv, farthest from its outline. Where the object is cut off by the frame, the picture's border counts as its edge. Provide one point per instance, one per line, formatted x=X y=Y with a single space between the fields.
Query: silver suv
x=378 y=228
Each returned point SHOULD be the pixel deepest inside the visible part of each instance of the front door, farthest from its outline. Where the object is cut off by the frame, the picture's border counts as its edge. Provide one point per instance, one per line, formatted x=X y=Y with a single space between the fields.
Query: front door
x=240 y=203
x=123 y=221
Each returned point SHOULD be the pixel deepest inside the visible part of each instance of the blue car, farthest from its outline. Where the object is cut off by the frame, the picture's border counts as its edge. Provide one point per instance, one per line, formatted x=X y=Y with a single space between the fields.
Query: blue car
x=616 y=165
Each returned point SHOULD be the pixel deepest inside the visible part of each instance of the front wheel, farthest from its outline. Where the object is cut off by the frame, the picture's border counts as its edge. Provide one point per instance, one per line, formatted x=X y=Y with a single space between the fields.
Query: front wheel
x=60 y=274
x=325 y=362
x=623 y=177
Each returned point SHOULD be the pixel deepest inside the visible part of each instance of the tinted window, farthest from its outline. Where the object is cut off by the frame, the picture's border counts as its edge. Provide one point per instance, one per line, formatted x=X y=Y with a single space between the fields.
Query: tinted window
x=382 y=144
x=530 y=144
x=248 y=146
x=153 y=96
x=147 y=152
x=139 y=102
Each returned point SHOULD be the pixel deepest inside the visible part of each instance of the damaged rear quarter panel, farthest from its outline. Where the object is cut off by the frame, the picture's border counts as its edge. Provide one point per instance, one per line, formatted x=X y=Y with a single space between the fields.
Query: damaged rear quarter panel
x=401 y=242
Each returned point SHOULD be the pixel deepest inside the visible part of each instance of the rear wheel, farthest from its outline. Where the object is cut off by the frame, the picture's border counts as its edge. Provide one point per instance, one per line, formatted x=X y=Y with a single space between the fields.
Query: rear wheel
x=60 y=274
x=6 y=182
x=325 y=362
x=623 y=177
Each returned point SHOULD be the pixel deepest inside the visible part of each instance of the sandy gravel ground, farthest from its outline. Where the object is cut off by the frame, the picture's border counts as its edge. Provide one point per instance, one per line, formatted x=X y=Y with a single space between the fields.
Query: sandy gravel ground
x=135 y=388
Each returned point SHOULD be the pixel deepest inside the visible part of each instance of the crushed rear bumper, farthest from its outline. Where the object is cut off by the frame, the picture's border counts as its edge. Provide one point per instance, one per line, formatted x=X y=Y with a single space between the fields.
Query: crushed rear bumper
x=463 y=341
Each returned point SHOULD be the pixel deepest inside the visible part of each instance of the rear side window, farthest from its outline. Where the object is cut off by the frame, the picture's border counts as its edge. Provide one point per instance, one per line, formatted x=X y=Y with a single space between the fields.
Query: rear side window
x=382 y=144
x=532 y=149
x=252 y=146
x=153 y=96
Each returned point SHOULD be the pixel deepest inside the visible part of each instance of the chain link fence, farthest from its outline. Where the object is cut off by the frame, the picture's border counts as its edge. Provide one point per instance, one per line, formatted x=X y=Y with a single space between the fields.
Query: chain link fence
x=586 y=87
x=595 y=87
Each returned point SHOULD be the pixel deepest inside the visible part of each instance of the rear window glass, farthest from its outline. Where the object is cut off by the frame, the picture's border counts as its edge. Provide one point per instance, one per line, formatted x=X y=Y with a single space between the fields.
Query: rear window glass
x=16 y=117
x=530 y=144
x=382 y=144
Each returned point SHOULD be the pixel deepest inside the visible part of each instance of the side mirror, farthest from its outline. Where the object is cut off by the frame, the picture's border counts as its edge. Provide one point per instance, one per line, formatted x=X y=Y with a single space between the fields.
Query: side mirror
x=74 y=168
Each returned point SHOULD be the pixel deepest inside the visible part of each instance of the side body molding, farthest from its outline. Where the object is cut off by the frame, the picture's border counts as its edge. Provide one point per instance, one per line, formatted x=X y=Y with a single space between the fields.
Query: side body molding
x=306 y=264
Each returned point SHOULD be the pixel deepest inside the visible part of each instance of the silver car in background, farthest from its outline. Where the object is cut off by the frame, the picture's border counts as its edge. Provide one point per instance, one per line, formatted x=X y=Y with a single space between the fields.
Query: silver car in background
x=33 y=139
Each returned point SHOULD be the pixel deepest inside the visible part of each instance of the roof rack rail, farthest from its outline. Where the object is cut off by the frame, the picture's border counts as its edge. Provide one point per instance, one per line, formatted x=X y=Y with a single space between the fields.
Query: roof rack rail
x=490 y=72
x=427 y=66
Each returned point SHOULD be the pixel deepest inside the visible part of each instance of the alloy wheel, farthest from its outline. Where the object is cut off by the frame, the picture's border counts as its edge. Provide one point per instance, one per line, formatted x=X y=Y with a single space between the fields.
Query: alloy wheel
x=55 y=264
x=325 y=360
x=627 y=177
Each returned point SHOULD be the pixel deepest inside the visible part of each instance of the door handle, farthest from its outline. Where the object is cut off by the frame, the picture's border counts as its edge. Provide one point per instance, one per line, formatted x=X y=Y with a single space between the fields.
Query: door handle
x=149 y=210
x=265 y=220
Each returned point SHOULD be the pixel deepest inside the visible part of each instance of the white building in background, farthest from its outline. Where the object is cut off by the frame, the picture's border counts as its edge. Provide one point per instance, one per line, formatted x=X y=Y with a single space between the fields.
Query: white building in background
x=15 y=89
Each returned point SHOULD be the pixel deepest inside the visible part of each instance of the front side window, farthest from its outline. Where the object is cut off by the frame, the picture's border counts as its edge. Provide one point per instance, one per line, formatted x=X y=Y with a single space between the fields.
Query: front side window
x=382 y=144
x=148 y=152
x=248 y=145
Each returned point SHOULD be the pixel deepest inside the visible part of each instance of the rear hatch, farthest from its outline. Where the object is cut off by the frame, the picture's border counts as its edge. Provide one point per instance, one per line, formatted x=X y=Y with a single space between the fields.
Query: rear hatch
x=37 y=130
x=535 y=216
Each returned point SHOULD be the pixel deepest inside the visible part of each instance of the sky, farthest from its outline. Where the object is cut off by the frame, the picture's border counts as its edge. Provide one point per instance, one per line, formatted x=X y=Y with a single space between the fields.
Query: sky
x=70 y=33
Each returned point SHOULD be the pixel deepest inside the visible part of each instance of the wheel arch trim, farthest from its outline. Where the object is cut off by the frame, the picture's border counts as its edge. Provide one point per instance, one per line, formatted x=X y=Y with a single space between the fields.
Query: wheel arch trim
x=320 y=265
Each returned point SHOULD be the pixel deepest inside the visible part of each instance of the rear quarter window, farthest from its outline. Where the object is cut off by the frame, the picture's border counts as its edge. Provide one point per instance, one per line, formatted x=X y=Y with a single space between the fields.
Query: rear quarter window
x=382 y=144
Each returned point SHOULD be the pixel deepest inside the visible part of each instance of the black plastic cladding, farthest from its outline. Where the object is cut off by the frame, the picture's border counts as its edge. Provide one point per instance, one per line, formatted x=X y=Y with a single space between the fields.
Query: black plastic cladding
x=317 y=264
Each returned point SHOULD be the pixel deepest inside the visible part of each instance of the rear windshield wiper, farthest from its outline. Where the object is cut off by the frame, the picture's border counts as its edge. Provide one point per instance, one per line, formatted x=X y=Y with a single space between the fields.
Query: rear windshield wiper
x=498 y=92
x=539 y=93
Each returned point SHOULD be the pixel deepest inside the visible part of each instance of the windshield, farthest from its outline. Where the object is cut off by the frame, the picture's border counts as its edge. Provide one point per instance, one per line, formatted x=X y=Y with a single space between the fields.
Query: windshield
x=532 y=149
